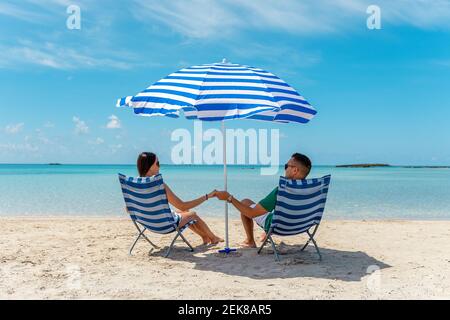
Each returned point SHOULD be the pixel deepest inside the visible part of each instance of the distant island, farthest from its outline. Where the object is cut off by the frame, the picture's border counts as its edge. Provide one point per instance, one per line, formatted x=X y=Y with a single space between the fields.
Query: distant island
x=363 y=165
x=55 y=164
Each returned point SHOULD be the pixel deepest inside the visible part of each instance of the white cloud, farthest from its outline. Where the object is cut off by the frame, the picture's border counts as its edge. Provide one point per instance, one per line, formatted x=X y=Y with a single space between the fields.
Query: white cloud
x=114 y=123
x=14 y=128
x=80 y=126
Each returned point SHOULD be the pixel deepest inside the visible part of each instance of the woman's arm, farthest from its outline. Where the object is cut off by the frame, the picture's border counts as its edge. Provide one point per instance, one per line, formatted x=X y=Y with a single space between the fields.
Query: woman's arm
x=184 y=205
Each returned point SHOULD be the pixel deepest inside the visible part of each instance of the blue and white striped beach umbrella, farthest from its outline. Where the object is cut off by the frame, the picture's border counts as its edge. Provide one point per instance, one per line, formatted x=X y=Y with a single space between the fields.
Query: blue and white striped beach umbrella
x=222 y=91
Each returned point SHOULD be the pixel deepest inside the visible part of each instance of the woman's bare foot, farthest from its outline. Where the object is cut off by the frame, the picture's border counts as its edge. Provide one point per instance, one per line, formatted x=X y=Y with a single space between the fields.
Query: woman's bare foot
x=248 y=244
x=216 y=240
x=263 y=237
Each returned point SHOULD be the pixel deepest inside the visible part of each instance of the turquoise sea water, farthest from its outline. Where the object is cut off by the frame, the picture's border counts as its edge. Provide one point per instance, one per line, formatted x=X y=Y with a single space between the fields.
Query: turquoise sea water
x=94 y=190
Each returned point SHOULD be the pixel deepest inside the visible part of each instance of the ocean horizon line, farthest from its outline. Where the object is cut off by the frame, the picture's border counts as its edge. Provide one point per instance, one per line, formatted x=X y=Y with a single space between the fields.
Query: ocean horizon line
x=352 y=165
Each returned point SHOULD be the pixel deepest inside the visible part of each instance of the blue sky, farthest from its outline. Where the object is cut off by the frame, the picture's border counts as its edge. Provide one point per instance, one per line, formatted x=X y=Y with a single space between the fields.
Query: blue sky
x=381 y=95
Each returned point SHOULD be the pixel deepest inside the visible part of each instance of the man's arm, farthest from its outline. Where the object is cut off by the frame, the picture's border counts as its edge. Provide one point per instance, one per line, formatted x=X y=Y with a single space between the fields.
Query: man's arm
x=247 y=211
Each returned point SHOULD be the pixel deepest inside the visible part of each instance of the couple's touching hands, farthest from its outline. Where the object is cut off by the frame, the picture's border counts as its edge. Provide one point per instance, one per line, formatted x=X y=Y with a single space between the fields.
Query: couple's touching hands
x=221 y=195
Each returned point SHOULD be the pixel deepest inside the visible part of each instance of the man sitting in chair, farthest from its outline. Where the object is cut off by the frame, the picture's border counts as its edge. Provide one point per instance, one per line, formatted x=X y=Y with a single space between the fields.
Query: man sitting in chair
x=297 y=168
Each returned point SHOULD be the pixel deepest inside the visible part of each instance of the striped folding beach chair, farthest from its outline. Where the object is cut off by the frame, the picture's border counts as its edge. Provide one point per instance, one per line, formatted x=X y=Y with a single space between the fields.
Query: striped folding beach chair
x=147 y=205
x=300 y=206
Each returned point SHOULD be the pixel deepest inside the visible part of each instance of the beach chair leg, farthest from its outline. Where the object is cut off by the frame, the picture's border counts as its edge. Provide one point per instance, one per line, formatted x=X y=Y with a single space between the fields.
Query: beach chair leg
x=311 y=236
x=265 y=241
x=141 y=234
x=306 y=244
x=180 y=234
x=269 y=239
x=187 y=242
x=171 y=245
x=134 y=243
x=277 y=257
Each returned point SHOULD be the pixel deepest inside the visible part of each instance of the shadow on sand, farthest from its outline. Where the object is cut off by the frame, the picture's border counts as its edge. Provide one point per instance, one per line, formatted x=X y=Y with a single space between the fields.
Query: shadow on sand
x=336 y=264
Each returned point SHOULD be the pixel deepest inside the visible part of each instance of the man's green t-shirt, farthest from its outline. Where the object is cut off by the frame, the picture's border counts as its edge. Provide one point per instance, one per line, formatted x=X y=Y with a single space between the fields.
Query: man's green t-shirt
x=269 y=203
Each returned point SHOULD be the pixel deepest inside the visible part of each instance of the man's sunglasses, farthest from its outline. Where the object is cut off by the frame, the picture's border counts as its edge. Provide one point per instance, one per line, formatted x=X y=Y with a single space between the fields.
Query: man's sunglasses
x=288 y=165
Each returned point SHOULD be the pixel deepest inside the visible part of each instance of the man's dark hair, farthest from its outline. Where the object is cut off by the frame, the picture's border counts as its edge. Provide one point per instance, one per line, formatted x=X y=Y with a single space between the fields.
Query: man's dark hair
x=303 y=160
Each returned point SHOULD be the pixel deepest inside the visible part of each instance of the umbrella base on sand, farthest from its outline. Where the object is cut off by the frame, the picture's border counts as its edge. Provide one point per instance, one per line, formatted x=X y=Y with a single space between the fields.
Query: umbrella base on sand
x=227 y=250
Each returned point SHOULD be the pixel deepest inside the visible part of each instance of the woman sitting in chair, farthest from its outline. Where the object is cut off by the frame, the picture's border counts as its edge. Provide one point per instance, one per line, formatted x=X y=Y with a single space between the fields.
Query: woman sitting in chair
x=148 y=165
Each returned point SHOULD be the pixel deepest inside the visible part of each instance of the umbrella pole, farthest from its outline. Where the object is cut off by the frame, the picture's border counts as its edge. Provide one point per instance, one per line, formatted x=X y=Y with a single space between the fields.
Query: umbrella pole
x=227 y=242
x=225 y=181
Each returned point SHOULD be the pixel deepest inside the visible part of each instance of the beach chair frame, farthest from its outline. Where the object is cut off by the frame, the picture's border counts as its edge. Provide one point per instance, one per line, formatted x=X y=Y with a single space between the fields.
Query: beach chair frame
x=275 y=251
x=171 y=225
x=321 y=195
x=179 y=233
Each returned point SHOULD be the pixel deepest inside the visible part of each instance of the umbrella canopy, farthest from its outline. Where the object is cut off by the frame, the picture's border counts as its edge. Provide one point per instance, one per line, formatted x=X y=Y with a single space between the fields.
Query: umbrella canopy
x=222 y=91
x=218 y=92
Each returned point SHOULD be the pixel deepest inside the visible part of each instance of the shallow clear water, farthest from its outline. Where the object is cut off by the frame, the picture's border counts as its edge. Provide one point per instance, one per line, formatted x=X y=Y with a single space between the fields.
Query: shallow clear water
x=94 y=190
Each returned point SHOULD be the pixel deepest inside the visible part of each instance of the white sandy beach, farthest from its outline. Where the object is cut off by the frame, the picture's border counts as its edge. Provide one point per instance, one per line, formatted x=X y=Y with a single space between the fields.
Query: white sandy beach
x=87 y=258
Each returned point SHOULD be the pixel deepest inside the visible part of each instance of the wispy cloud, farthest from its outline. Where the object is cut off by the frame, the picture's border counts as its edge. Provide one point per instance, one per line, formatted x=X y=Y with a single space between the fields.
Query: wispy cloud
x=207 y=19
x=196 y=18
x=56 y=57
x=14 y=128
x=419 y=13
x=52 y=45
x=14 y=11
x=96 y=45
x=80 y=126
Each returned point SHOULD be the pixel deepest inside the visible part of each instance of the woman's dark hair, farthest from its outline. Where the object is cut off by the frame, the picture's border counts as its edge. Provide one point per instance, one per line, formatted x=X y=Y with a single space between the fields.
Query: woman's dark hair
x=145 y=162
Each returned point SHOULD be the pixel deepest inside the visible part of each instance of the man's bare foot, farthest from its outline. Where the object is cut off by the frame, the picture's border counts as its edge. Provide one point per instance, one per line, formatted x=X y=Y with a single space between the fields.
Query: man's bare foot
x=248 y=244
